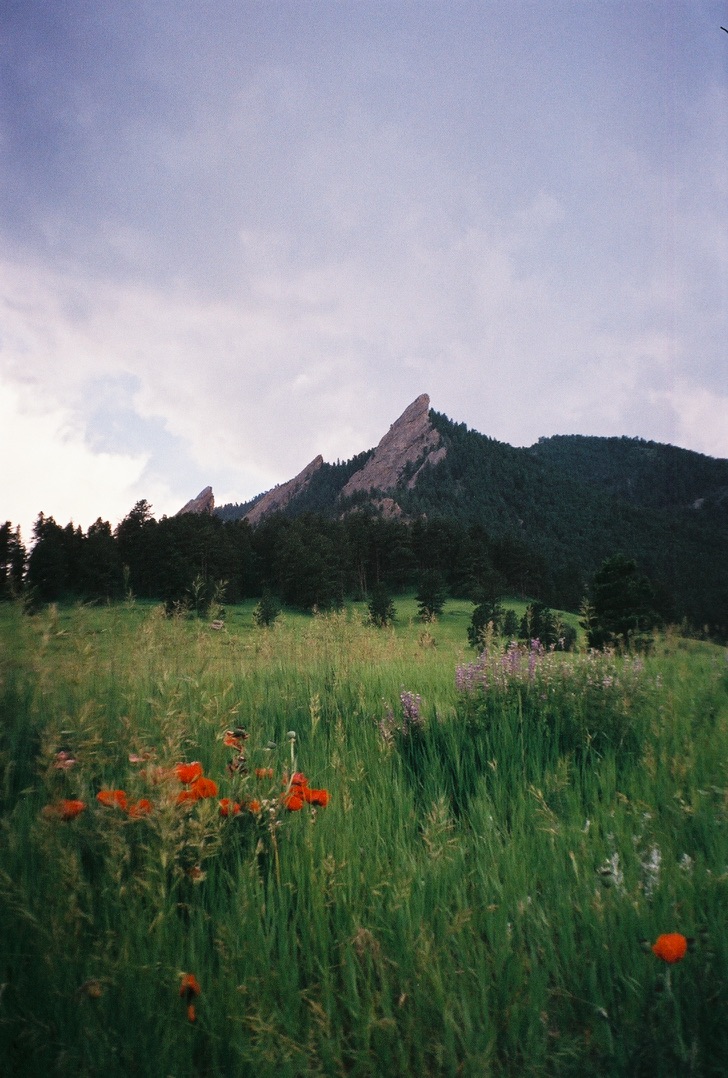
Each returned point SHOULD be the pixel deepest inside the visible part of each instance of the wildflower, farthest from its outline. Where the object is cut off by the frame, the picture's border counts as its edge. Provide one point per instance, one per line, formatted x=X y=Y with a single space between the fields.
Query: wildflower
x=611 y=874
x=204 y=787
x=316 y=797
x=651 y=868
x=264 y=772
x=253 y=806
x=187 y=773
x=299 y=779
x=138 y=809
x=238 y=766
x=112 y=798
x=64 y=810
x=228 y=807
x=411 y=716
x=64 y=760
x=139 y=757
x=293 y=801
x=234 y=739
x=670 y=947
x=189 y=989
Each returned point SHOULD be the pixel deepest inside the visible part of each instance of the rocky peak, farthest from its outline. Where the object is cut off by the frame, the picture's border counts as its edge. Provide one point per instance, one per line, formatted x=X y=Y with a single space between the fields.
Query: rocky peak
x=278 y=498
x=203 y=503
x=410 y=439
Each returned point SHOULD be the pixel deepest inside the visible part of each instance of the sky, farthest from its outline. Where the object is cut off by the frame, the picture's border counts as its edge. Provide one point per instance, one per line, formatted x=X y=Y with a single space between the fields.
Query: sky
x=235 y=235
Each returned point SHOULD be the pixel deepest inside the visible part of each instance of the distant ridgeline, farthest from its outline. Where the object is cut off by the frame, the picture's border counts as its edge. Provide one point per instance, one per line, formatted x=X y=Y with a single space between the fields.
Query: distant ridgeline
x=537 y=521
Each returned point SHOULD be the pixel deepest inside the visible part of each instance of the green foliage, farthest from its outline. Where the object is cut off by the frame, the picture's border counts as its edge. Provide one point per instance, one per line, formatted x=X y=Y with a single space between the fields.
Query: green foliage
x=541 y=623
x=12 y=562
x=510 y=624
x=431 y=595
x=267 y=610
x=381 y=608
x=622 y=604
x=487 y=616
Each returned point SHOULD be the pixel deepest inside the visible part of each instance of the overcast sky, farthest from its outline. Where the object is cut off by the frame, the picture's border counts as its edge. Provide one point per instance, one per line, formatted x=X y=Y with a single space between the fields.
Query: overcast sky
x=237 y=234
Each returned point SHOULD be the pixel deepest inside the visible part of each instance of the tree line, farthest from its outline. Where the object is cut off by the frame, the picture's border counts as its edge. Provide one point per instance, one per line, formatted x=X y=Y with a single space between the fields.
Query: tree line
x=196 y=562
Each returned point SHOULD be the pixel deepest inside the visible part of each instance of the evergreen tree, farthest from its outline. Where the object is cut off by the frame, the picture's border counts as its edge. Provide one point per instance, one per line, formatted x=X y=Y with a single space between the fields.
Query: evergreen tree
x=487 y=616
x=622 y=602
x=539 y=623
x=12 y=562
x=509 y=627
x=431 y=594
x=267 y=610
x=48 y=564
x=381 y=608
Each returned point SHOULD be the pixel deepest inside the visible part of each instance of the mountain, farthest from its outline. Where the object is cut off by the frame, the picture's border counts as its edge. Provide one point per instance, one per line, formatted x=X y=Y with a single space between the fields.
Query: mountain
x=203 y=503
x=569 y=501
x=411 y=442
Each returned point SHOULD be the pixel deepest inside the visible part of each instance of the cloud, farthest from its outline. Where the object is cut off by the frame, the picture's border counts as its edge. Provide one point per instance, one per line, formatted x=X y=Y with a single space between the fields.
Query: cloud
x=52 y=469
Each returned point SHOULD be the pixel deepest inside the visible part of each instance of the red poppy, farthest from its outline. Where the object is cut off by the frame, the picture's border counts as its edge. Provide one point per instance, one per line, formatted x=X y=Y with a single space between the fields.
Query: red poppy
x=204 y=787
x=228 y=807
x=299 y=779
x=140 y=808
x=316 y=797
x=65 y=810
x=670 y=947
x=112 y=798
x=234 y=738
x=189 y=989
x=187 y=773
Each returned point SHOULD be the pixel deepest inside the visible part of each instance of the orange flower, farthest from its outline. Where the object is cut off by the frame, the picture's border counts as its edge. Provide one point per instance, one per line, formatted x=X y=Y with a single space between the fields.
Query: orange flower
x=137 y=809
x=264 y=772
x=253 y=806
x=203 y=787
x=189 y=989
x=228 y=807
x=112 y=798
x=299 y=779
x=65 y=810
x=316 y=797
x=234 y=738
x=293 y=801
x=670 y=947
x=187 y=773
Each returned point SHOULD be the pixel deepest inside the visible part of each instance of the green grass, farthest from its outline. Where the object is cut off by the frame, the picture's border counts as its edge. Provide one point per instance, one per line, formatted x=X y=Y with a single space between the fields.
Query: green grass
x=471 y=901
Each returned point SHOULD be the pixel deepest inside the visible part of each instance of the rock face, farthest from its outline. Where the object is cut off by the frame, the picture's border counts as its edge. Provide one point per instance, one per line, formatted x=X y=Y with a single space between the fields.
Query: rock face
x=203 y=503
x=410 y=439
x=278 y=498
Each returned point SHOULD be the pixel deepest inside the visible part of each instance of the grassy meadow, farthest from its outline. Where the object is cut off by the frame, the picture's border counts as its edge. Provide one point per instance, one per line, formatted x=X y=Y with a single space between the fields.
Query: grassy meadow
x=504 y=839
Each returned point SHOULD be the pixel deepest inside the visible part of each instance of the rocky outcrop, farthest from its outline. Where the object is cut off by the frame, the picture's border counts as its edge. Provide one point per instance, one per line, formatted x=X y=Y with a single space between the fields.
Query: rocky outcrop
x=203 y=503
x=278 y=498
x=411 y=440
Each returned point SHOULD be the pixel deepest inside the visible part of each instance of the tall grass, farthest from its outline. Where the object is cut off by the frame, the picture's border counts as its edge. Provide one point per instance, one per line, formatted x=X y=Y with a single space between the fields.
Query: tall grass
x=471 y=901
